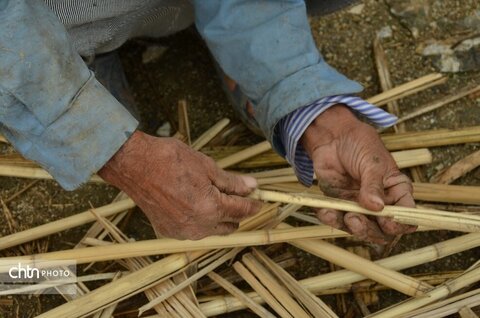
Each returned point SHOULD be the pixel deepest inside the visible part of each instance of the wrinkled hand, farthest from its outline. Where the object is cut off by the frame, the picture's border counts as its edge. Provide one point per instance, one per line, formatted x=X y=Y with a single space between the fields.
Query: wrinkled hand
x=351 y=163
x=182 y=192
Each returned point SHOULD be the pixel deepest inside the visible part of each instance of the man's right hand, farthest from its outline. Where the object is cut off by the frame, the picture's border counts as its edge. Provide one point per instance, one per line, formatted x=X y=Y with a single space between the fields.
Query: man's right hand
x=182 y=192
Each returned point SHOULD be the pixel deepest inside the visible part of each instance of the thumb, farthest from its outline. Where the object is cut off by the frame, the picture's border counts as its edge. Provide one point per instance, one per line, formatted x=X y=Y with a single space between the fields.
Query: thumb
x=371 y=190
x=230 y=183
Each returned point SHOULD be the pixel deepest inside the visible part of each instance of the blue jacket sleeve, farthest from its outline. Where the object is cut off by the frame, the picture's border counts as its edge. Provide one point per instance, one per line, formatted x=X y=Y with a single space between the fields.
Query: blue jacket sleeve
x=52 y=109
x=268 y=49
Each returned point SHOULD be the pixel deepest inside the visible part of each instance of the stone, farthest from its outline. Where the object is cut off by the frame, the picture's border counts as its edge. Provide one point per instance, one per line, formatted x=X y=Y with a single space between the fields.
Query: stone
x=385 y=32
x=356 y=9
x=452 y=58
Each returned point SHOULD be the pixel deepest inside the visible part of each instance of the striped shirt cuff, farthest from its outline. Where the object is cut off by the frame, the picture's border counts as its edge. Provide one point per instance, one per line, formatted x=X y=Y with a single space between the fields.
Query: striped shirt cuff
x=291 y=127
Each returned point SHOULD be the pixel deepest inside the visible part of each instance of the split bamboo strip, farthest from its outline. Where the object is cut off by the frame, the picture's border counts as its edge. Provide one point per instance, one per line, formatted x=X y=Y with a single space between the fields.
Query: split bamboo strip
x=407 y=89
x=339 y=256
x=244 y=154
x=446 y=193
x=422 y=191
x=438 y=103
x=339 y=278
x=448 y=306
x=440 y=292
x=431 y=138
x=180 y=303
x=167 y=246
x=138 y=281
x=240 y=295
x=414 y=216
x=204 y=271
x=316 y=306
x=466 y=312
x=63 y=224
x=264 y=293
x=33 y=173
x=210 y=134
x=271 y=283
x=458 y=169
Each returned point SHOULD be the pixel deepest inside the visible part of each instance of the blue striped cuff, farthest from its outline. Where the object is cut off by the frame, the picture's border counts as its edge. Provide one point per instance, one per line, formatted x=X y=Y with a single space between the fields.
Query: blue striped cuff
x=291 y=127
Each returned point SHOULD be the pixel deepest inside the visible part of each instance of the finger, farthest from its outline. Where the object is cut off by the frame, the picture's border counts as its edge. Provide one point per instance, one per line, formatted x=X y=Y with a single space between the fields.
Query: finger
x=365 y=229
x=371 y=190
x=225 y=228
x=230 y=183
x=331 y=218
x=399 y=192
x=233 y=208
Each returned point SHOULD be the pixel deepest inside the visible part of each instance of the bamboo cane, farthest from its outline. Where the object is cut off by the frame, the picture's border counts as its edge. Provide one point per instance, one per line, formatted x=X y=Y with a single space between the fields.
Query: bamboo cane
x=261 y=290
x=442 y=291
x=244 y=154
x=63 y=224
x=344 y=277
x=167 y=246
x=426 y=217
x=240 y=295
x=210 y=134
x=316 y=306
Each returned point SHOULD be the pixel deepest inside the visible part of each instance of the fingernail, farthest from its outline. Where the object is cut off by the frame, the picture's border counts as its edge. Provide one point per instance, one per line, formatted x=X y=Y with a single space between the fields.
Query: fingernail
x=251 y=182
x=377 y=201
x=355 y=222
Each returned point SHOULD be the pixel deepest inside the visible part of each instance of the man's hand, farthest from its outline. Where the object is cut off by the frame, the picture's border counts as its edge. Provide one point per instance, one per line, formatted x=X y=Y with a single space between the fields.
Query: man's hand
x=181 y=191
x=351 y=163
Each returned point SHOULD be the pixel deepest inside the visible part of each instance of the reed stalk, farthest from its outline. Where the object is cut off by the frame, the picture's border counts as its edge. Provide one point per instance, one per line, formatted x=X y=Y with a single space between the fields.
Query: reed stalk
x=208 y=135
x=240 y=295
x=244 y=154
x=263 y=292
x=168 y=246
x=413 y=216
x=63 y=224
x=448 y=288
x=407 y=89
x=314 y=304
x=336 y=255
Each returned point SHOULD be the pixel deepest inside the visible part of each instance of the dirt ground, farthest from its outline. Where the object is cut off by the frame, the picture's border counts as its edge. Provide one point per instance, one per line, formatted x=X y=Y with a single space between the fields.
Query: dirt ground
x=185 y=71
